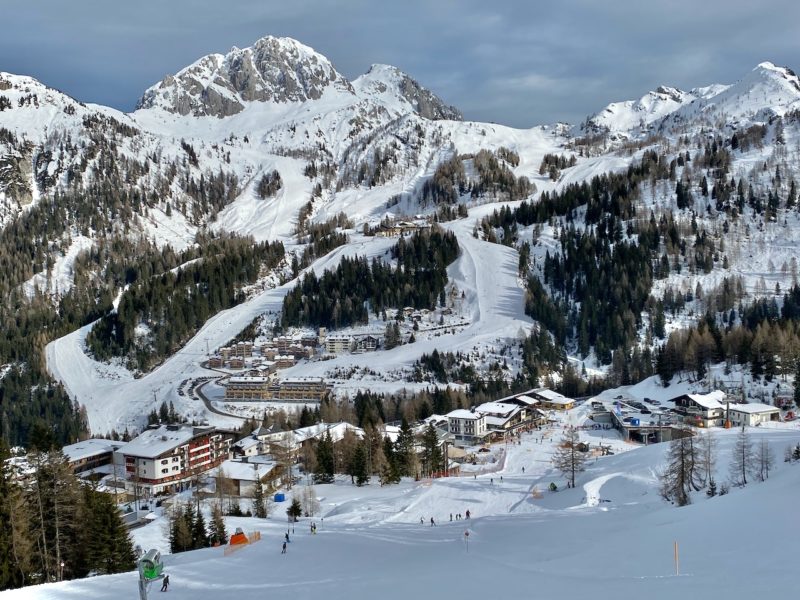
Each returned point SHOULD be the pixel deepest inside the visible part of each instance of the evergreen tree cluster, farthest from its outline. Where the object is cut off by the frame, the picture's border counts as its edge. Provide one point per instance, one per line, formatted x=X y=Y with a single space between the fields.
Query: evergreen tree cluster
x=187 y=529
x=762 y=335
x=51 y=520
x=175 y=304
x=341 y=297
x=321 y=238
x=609 y=282
x=553 y=164
x=269 y=184
x=493 y=177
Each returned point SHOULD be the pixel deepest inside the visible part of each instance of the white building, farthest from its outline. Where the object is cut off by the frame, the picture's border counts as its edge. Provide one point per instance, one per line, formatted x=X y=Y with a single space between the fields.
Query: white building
x=466 y=427
x=337 y=344
x=502 y=417
x=244 y=474
x=549 y=399
x=166 y=458
x=708 y=410
x=92 y=454
x=751 y=415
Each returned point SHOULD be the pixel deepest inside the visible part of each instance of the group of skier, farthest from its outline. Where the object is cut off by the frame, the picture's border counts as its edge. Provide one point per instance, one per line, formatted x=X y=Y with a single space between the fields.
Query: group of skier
x=459 y=516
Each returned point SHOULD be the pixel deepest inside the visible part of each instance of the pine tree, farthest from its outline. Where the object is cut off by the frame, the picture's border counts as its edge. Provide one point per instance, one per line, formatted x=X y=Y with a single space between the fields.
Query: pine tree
x=358 y=465
x=218 y=534
x=106 y=544
x=325 y=461
x=259 y=505
x=431 y=451
x=199 y=532
x=404 y=450
x=295 y=509
x=742 y=460
x=568 y=458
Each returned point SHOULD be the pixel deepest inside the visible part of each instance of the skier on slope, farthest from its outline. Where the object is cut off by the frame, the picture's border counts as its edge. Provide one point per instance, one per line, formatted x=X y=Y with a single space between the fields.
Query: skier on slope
x=165 y=585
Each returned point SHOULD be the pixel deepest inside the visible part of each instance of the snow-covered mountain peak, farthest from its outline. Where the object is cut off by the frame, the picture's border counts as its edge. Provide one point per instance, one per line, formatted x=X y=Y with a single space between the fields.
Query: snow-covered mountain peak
x=632 y=116
x=388 y=83
x=278 y=70
x=764 y=92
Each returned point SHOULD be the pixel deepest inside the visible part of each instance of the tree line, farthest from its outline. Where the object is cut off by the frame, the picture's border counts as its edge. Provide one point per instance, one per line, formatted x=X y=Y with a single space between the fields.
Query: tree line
x=53 y=527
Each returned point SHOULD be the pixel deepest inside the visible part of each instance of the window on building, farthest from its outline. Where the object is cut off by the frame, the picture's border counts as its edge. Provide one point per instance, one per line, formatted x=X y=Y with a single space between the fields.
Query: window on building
x=164 y=471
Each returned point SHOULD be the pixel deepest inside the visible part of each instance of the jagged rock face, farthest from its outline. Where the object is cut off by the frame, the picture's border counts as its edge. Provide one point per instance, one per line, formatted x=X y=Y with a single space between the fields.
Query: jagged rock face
x=272 y=70
x=427 y=104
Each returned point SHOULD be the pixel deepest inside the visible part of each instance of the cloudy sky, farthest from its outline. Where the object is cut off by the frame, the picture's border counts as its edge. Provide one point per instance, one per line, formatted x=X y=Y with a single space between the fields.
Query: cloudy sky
x=517 y=62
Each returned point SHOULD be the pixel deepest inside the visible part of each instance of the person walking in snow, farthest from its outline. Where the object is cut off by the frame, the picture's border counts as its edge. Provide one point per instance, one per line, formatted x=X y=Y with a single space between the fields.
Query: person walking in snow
x=287 y=537
x=451 y=516
x=467 y=513
x=422 y=521
x=284 y=548
x=165 y=585
x=432 y=522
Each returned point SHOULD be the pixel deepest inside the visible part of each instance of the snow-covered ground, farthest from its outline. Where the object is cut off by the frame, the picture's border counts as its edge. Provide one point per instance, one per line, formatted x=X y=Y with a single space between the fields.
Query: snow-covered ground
x=611 y=536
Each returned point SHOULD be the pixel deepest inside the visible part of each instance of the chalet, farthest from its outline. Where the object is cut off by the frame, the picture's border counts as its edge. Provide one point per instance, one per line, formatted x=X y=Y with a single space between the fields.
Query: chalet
x=466 y=427
x=366 y=343
x=92 y=454
x=247 y=446
x=705 y=410
x=243 y=474
x=166 y=458
x=501 y=417
x=548 y=399
x=751 y=415
x=215 y=362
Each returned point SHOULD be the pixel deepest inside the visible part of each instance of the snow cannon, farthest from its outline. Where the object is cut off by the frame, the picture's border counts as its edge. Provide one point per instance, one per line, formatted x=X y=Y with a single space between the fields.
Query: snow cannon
x=150 y=565
x=239 y=537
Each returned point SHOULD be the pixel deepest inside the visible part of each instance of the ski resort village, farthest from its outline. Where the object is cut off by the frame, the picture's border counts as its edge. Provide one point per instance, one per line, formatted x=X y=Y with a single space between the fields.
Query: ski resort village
x=274 y=330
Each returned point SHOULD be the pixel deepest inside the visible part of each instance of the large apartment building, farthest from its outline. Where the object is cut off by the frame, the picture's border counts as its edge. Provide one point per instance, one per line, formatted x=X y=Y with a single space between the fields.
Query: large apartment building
x=167 y=457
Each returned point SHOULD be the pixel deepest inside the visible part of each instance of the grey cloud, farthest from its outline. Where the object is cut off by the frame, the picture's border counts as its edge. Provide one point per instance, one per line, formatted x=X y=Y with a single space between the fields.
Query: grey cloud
x=516 y=62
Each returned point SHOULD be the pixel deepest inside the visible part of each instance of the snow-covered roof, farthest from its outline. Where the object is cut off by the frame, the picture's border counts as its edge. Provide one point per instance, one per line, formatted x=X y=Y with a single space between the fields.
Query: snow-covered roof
x=497 y=409
x=462 y=413
x=754 y=408
x=527 y=400
x=492 y=421
x=302 y=380
x=246 y=471
x=337 y=431
x=709 y=401
x=249 y=379
x=553 y=397
x=152 y=443
x=90 y=447
x=247 y=442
